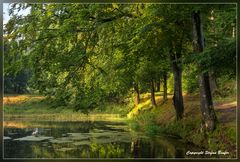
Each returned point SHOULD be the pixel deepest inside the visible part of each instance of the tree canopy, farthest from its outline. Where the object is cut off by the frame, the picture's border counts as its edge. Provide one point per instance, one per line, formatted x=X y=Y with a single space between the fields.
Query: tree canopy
x=87 y=54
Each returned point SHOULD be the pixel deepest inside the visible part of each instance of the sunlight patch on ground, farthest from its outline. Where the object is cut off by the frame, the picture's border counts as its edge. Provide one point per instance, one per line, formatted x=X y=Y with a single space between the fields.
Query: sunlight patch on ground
x=226 y=105
x=147 y=105
x=18 y=99
x=11 y=124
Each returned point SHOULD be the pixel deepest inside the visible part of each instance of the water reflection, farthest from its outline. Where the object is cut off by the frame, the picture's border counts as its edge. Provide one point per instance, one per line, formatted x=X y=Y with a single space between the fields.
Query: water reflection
x=85 y=140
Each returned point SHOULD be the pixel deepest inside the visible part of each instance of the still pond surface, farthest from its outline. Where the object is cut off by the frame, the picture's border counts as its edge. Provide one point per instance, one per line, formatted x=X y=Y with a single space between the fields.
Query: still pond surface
x=85 y=139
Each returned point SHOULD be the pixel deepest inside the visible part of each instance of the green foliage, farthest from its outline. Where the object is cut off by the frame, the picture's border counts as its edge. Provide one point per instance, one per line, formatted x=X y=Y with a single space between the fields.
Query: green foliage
x=180 y=129
x=113 y=108
x=134 y=125
x=145 y=118
x=152 y=129
x=222 y=138
x=220 y=58
x=226 y=86
x=231 y=134
x=85 y=55
x=190 y=79
x=145 y=122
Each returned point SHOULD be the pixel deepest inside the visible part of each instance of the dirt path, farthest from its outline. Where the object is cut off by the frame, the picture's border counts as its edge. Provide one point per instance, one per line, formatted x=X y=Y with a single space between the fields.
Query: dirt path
x=226 y=111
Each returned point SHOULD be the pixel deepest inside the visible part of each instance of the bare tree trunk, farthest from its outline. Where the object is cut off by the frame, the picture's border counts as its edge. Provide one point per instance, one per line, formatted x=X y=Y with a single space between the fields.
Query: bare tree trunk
x=165 y=86
x=213 y=83
x=137 y=94
x=154 y=104
x=158 y=84
x=208 y=113
x=177 y=97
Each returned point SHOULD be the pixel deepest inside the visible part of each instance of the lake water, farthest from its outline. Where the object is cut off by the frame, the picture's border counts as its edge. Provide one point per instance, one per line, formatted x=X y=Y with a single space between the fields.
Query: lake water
x=89 y=139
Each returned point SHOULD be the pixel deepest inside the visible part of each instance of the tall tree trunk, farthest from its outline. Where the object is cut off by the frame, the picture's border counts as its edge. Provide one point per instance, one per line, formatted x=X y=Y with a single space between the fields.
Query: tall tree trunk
x=165 y=86
x=177 y=97
x=154 y=104
x=213 y=83
x=158 y=84
x=208 y=113
x=136 y=94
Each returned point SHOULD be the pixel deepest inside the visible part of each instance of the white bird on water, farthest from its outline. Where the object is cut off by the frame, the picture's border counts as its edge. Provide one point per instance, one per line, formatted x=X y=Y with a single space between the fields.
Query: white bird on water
x=35 y=132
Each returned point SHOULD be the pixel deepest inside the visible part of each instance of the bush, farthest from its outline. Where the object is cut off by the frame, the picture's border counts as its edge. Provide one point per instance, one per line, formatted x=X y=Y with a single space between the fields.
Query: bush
x=134 y=125
x=152 y=129
x=176 y=128
x=145 y=122
x=222 y=136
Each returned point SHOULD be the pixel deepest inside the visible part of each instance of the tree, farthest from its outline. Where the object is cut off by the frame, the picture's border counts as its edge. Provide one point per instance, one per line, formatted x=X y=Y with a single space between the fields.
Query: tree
x=137 y=94
x=209 y=116
x=86 y=54
x=158 y=85
x=165 y=86
x=174 y=37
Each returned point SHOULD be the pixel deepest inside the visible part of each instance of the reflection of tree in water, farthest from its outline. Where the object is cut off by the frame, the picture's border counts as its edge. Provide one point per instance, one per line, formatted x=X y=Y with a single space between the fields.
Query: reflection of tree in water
x=168 y=148
x=141 y=148
x=135 y=148
x=152 y=152
x=38 y=151
x=179 y=153
x=156 y=148
x=110 y=150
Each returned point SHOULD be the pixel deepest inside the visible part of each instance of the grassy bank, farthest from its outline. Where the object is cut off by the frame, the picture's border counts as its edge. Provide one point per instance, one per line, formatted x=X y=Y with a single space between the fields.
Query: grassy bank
x=32 y=107
x=161 y=120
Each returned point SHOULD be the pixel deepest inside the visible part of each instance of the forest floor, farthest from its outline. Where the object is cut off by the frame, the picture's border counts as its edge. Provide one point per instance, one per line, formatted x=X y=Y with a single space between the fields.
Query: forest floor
x=189 y=128
x=225 y=108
